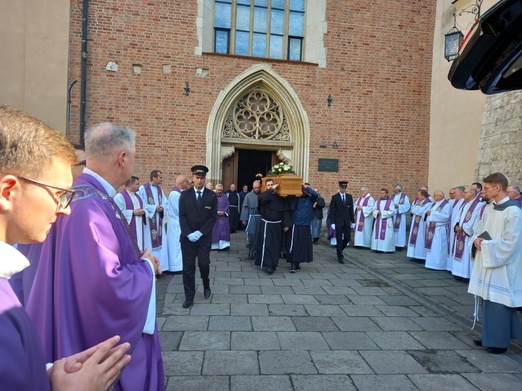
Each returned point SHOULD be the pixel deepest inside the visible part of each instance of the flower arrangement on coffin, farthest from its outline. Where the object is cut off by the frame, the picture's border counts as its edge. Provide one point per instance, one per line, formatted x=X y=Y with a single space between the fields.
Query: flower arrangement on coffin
x=281 y=168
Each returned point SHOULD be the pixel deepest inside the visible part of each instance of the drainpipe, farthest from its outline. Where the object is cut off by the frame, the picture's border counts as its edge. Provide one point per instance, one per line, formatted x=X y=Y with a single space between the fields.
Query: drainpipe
x=69 y=100
x=83 y=83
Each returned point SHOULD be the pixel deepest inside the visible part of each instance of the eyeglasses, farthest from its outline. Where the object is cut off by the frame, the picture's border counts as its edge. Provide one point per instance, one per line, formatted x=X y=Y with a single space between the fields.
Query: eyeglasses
x=64 y=199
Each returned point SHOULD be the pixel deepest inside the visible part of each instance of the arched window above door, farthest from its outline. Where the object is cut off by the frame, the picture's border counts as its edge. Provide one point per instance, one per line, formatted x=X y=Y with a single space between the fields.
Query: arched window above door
x=256 y=116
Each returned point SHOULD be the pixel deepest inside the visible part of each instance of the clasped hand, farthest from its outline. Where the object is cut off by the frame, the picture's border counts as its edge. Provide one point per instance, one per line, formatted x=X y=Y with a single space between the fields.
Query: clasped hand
x=194 y=236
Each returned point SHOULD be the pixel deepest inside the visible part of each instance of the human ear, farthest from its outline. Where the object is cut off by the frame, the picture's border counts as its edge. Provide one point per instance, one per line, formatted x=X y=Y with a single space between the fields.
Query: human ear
x=8 y=190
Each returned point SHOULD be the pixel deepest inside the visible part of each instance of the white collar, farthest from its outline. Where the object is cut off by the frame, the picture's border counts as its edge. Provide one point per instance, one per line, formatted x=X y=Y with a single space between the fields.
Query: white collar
x=111 y=191
x=13 y=261
x=506 y=199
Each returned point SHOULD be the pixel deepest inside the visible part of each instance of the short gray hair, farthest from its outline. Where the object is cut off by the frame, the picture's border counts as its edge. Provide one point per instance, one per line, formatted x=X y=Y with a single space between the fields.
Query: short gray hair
x=101 y=139
x=397 y=186
x=460 y=188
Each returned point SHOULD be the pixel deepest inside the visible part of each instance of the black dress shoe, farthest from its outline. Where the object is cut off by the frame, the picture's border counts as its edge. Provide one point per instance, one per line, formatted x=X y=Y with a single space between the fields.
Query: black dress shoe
x=188 y=303
x=477 y=342
x=496 y=350
x=269 y=270
x=207 y=292
x=341 y=259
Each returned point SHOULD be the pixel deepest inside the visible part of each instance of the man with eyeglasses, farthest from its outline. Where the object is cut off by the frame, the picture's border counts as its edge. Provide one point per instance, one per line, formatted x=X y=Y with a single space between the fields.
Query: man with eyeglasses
x=35 y=176
x=22 y=282
x=101 y=282
x=513 y=192
x=496 y=276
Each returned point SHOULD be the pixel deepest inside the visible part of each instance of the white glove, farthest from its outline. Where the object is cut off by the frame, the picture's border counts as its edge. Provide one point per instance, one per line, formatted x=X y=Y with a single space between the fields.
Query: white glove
x=352 y=225
x=332 y=226
x=198 y=235
x=192 y=237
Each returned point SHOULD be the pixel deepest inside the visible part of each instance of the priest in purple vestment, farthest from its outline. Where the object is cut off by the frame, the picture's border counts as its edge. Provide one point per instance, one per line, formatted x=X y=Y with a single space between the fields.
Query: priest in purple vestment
x=221 y=230
x=101 y=284
x=35 y=177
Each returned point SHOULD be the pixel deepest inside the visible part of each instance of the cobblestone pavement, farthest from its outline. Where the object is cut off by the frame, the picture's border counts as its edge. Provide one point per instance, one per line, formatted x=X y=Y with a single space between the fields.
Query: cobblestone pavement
x=378 y=322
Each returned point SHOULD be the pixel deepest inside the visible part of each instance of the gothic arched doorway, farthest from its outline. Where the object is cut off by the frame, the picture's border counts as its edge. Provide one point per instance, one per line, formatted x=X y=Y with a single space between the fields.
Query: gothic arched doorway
x=242 y=167
x=259 y=111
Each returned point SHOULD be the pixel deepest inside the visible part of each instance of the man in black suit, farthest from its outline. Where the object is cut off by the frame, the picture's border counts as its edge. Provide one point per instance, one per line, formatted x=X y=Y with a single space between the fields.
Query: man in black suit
x=197 y=216
x=342 y=219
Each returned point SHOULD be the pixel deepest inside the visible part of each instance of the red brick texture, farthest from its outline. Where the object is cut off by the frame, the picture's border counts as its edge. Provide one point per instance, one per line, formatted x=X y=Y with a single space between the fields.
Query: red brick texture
x=378 y=72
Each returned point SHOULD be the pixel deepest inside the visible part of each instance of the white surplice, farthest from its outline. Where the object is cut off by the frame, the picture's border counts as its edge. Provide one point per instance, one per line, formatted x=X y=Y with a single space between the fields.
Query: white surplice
x=496 y=274
x=364 y=238
x=142 y=240
x=388 y=243
x=456 y=207
x=400 y=213
x=462 y=267
x=161 y=251
x=437 y=256
x=418 y=251
x=175 y=260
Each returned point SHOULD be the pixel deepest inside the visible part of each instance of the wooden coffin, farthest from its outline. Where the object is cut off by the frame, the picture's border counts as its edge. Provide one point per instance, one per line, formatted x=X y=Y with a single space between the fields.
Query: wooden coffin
x=289 y=184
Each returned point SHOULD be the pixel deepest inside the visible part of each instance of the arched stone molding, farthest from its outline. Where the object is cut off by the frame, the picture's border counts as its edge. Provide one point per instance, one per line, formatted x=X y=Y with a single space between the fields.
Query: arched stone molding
x=263 y=75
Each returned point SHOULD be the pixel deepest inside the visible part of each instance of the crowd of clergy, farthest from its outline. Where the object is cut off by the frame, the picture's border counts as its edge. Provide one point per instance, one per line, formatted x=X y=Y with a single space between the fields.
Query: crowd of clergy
x=433 y=229
x=154 y=218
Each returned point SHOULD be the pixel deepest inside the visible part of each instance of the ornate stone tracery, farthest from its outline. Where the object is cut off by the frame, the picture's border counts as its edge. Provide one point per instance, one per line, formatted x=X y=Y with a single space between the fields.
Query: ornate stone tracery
x=291 y=141
x=257 y=116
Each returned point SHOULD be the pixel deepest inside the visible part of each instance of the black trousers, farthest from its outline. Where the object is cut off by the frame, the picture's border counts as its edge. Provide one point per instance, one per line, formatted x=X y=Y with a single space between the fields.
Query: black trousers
x=342 y=235
x=190 y=251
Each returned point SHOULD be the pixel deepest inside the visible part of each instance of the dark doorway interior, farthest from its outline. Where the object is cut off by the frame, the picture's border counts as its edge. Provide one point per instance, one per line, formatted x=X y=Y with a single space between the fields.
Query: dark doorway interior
x=250 y=163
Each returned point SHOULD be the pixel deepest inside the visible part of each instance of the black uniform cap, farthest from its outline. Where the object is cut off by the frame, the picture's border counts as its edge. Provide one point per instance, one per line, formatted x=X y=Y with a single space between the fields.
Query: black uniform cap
x=199 y=170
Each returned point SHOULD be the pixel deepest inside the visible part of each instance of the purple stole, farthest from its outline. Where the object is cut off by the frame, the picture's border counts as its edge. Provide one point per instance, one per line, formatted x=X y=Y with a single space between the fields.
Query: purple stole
x=397 y=223
x=360 y=222
x=416 y=222
x=380 y=222
x=482 y=210
x=430 y=229
x=155 y=236
x=460 y=237
x=175 y=188
x=130 y=205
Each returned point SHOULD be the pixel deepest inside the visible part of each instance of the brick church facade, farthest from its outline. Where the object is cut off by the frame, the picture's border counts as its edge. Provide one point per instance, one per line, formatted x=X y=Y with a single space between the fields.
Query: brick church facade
x=346 y=96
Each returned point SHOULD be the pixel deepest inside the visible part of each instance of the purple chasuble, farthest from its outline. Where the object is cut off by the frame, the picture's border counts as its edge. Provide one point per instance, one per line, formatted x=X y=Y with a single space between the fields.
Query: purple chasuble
x=156 y=236
x=221 y=230
x=380 y=222
x=22 y=363
x=360 y=220
x=460 y=237
x=130 y=205
x=397 y=223
x=416 y=222
x=430 y=229
x=99 y=288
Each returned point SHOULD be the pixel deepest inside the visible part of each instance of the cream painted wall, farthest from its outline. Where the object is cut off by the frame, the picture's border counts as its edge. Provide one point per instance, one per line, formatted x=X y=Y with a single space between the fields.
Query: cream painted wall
x=456 y=116
x=34 y=58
